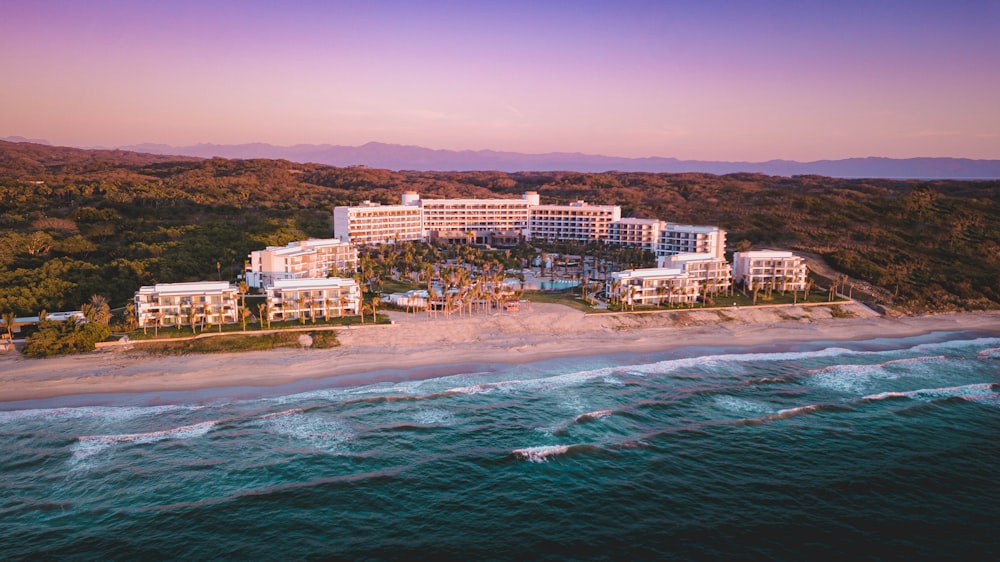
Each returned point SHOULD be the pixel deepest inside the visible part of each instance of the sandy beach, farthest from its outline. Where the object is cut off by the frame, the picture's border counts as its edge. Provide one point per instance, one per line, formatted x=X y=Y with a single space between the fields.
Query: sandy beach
x=538 y=332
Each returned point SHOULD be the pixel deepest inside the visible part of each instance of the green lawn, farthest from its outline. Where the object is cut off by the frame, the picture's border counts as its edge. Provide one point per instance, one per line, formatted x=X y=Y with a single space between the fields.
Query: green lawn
x=569 y=298
x=240 y=342
x=166 y=332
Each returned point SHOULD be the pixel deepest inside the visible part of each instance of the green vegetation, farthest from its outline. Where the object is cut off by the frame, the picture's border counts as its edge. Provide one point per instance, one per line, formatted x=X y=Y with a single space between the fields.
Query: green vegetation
x=837 y=312
x=241 y=342
x=70 y=336
x=59 y=338
x=568 y=297
x=74 y=223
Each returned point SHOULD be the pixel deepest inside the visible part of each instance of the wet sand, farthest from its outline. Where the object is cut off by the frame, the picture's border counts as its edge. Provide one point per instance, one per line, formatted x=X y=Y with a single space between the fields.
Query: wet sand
x=537 y=332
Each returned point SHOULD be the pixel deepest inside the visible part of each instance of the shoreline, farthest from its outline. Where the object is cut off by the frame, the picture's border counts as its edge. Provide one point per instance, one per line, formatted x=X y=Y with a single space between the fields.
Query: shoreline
x=414 y=341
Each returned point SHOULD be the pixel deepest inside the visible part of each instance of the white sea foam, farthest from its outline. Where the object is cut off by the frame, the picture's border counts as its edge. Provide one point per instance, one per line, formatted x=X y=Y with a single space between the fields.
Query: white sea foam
x=959 y=345
x=89 y=445
x=486 y=387
x=102 y=414
x=797 y=411
x=433 y=416
x=589 y=416
x=861 y=378
x=540 y=454
x=281 y=413
x=741 y=405
x=982 y=392
x=992 y=353
x=578 y=377
x=318 y=430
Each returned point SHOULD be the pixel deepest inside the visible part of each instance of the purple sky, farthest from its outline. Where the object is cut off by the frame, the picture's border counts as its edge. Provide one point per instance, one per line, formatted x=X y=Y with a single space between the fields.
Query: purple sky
x=739 y=80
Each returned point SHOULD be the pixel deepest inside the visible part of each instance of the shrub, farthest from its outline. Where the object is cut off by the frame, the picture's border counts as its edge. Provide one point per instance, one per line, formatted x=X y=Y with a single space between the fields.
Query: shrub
x=60 y=338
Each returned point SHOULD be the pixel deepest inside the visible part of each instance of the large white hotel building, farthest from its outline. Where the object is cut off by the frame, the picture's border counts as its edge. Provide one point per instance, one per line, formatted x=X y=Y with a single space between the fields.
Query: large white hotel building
x=482 y=221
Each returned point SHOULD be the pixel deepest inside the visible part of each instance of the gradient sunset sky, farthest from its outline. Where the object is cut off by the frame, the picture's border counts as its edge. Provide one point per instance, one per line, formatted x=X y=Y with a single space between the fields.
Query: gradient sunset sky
x=736 y=80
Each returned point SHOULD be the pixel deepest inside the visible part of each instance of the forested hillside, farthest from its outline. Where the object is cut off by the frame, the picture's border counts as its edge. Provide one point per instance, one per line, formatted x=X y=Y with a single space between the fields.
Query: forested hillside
x=74 y=223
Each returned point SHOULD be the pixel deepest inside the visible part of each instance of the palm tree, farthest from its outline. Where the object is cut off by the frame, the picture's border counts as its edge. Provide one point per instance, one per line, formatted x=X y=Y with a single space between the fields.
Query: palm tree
x=242 y=288
x=101 y=311
x=263 y=312
x=298 y=309
x=8 y=323
x=660 y=291
x=87 y=310
x=192 y=318
x=218 y=314
x=327 y=305
x=130 y=319
x=365 y=307
x=431 y=297
x=158 y=318
x=344 y=301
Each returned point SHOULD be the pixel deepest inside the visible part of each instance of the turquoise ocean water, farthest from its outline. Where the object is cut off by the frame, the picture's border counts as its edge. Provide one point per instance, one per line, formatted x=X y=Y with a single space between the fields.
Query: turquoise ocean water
x=883 y=449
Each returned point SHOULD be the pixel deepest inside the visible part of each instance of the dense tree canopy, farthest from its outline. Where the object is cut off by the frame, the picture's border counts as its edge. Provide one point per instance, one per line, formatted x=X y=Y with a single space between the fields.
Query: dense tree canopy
x=74 y=223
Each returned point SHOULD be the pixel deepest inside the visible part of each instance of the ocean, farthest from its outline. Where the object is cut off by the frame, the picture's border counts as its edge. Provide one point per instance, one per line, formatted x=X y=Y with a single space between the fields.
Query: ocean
x=881 y=449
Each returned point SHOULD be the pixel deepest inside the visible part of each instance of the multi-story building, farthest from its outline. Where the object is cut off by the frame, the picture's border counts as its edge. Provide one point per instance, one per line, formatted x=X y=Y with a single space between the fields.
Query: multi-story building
x=477 y=221
x=291 y=299
x=177 y=304
x=773 y=269
x=685 y=239
x=301 y=260
x=635 y=233
x=481 y=216
x=371 y=223
x=653 y=286
x=579 y=221
x=715 y=275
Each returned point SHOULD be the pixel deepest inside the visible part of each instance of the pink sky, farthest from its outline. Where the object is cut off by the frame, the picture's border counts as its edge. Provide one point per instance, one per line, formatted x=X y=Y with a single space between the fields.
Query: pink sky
x=693 y=80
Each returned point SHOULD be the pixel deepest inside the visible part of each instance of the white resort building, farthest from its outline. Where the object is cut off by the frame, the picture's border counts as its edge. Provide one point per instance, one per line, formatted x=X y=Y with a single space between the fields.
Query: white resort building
x=578 y=221
x=686 y=238
x=774 y=269
x=179 y=304
x=506 y=222
x=635 y=233
x=372 y=223
x=486 y=215
x=300 y=260
x=714 y=274
x=644 y=287
x=478 y=221
x=291 y=299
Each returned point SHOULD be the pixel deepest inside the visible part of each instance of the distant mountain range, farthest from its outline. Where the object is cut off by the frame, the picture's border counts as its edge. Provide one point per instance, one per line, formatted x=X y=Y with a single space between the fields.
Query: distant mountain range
x=400 y=157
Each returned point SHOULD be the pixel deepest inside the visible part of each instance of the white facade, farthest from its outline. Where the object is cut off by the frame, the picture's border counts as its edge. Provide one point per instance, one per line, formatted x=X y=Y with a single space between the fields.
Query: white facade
x=492 y=215
x=291 y=299
x=644 y=287
x=714 y=274
x=774 y=269
x=577 y=221
x=371 y=223
x=635 y=233
x=300 y=260
x=686 y=238
x=177 y=304
x=423 y=219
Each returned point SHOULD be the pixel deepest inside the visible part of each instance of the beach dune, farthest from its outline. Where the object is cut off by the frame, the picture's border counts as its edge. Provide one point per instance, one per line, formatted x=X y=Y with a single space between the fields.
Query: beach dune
x=538 y=332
